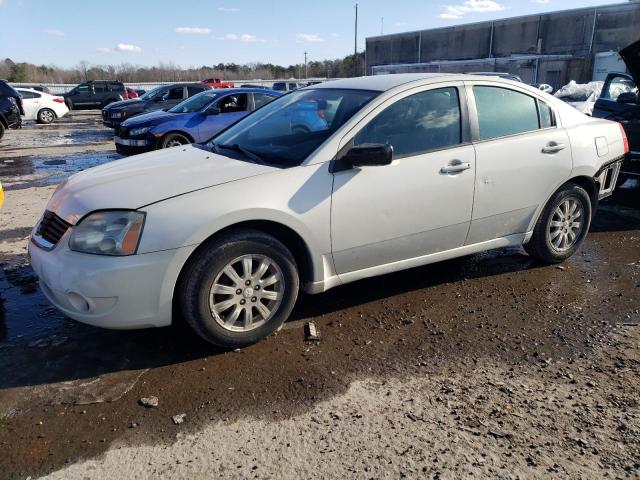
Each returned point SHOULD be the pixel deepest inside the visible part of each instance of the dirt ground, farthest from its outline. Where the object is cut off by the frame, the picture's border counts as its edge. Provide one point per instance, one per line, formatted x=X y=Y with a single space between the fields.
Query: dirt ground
x=488 y=366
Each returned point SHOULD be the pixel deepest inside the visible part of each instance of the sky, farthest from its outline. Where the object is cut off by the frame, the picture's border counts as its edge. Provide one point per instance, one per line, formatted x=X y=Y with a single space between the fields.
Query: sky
x=207 y=32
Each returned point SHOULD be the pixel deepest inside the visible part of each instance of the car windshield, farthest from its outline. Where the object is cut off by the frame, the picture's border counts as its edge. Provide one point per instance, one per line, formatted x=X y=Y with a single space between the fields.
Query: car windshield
x=286 y=131
x=151 y=94
x=195 y=103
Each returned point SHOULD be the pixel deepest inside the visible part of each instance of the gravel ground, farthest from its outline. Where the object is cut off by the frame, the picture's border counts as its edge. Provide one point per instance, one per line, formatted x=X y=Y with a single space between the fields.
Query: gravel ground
x=486 y=366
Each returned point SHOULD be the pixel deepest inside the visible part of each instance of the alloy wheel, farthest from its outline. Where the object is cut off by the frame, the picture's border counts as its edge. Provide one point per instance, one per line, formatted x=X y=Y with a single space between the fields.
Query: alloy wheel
x=246 y=293
x=566 y=224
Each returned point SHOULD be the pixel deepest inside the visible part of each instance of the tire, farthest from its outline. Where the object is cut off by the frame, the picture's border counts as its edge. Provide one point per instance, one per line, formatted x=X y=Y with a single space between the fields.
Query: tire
x=552 y=240
x=174 y=140
x=221 y=317
x=46 y=116
x=69 y=104
x=2 y=130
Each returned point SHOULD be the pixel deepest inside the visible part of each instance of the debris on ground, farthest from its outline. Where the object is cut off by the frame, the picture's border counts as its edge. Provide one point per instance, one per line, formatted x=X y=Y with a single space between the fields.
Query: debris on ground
x=178 y=419
x=149 y=402
x=311 y=333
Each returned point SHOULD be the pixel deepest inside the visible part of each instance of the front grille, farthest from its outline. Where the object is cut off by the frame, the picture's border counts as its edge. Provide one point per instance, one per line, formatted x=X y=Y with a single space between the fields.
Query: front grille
x=105 y=115
x=52 y=227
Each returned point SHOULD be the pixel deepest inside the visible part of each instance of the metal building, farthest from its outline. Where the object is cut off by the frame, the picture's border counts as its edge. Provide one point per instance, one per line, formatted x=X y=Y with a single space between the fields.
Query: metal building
x=548 y=48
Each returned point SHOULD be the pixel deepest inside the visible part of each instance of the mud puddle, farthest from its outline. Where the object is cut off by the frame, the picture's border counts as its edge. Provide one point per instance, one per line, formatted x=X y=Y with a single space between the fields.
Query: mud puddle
x=49 y=169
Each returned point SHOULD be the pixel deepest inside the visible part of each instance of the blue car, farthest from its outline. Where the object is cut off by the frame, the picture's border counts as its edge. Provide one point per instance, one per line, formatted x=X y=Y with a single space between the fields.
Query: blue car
x=194 y=120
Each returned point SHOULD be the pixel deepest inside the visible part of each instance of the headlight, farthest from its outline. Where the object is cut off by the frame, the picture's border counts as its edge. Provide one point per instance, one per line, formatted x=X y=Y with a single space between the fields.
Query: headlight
x=138 y=131
x=108 y=233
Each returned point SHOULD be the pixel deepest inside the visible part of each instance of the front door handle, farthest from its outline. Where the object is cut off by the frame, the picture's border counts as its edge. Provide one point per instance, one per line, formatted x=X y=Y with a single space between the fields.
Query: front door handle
x=553 y=147
x=455 y=167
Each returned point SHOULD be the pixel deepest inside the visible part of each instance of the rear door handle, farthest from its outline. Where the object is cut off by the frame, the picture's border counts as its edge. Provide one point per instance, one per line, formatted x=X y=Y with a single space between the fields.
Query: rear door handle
x=455 y=167
x=553 y=147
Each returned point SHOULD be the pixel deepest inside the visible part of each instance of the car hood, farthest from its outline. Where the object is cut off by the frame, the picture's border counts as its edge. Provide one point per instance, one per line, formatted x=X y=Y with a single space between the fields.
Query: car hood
x=148 y=178
x=147 y=119
x=631 y=56
x=126 y=104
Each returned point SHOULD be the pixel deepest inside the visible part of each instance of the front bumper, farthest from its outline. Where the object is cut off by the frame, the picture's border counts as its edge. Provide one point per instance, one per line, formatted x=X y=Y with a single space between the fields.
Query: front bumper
x=133 y=146
x=111 y=292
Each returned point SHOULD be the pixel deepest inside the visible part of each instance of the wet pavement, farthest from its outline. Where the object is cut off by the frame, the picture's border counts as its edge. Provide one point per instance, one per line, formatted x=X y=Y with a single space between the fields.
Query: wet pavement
x=69 y=391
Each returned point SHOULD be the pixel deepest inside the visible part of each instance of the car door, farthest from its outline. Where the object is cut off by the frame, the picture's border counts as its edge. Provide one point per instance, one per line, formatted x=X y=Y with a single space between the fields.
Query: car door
x=174 y=96
x=619 y=102
x=83 y=96
x=230 y=108
x=522 y=156
x=419 y=204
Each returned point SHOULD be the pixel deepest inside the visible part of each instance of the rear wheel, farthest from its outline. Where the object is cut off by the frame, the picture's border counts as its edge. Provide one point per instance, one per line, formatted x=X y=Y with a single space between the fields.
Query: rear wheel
x=174 y=140
x=69 y=104
x=239 y=289
x=46 y=115
x=562 y=226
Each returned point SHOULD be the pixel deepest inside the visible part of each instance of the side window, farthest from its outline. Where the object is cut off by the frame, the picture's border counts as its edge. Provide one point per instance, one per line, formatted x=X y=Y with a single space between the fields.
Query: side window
x=175 y=93
x=261 y=99
x=233 y=103
x=83 y=89
x=617 y=85
x=503 y=112
x=425 y=121
x=115 y=87
x=99 y=87
x=193 y=90
x=546 y=116
x=25 y=94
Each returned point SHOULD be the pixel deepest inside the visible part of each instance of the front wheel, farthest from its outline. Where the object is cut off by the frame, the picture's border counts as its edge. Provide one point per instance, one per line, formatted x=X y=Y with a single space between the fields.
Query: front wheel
x=239 y=288
x=174 y=140
x=2 y=129
x=562 y=226
x=46 y=116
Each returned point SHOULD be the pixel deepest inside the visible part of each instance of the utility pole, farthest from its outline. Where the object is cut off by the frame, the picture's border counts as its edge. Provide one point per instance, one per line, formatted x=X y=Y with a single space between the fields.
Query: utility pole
x=382 y=26
x=306 y=70
x=355 y=46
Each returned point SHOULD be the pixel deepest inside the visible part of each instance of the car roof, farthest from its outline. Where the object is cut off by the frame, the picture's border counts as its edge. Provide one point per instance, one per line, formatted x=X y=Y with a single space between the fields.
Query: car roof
x=386 y=82
x=245 y=90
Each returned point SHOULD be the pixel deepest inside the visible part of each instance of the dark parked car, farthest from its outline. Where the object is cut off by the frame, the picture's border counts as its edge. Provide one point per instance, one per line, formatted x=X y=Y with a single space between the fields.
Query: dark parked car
x=94 y=94
x=620 y=101
x=194 y=120
x=160 y=98
x=10 y=107
x=287 y=86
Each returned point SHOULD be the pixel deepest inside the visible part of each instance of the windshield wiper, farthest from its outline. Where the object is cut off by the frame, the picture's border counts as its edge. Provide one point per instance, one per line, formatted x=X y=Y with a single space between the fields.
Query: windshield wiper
x=238 y=148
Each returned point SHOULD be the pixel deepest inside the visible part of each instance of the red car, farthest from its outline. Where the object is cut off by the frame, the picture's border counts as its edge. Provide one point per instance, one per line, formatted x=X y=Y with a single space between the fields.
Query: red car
x=130 y=93
x=217 y=83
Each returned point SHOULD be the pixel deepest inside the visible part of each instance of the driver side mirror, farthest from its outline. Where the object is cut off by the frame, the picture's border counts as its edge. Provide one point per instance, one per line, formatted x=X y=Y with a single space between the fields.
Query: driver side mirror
x=369 y=155
x=627 y=97
x=212 y=111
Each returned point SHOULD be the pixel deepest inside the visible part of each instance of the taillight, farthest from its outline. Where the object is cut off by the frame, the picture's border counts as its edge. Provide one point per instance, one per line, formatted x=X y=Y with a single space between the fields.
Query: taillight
x=58 y=99
x=625 y=140
x=322 y=114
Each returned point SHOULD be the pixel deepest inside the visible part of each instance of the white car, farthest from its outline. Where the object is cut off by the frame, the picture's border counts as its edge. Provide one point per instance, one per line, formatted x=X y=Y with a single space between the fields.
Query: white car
x=41 y=107
x=403 y=170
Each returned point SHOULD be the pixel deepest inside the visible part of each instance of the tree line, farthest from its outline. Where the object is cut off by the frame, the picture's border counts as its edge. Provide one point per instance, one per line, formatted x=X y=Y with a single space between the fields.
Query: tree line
x=23 y=72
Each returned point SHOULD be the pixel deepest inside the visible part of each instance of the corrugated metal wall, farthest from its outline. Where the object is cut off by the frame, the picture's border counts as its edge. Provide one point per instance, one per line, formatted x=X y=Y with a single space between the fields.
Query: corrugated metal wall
x=557 y=33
